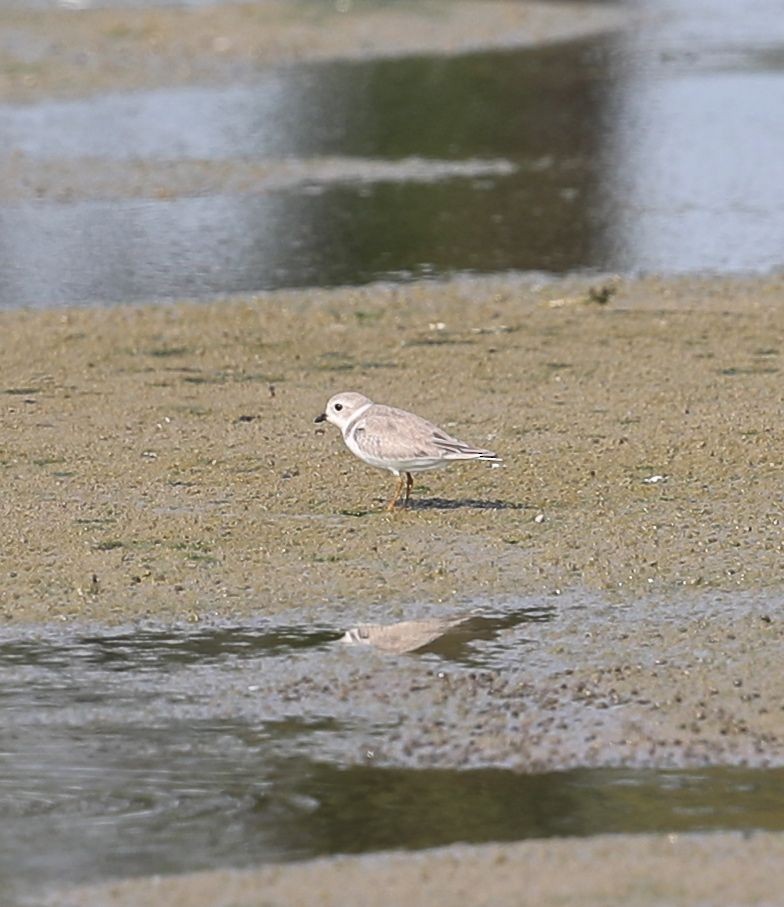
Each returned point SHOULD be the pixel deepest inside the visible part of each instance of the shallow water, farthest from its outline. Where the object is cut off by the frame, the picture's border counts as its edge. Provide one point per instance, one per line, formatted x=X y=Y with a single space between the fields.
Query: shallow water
x=652 y=149
x=166 y=749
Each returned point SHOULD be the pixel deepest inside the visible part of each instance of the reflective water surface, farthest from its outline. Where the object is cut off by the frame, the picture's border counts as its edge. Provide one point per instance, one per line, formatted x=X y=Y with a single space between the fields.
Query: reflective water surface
x=656 y=148
x=167 y=749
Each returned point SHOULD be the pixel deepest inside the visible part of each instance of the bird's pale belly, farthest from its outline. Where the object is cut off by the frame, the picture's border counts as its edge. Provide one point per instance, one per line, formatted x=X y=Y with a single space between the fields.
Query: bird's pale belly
x=399 y=466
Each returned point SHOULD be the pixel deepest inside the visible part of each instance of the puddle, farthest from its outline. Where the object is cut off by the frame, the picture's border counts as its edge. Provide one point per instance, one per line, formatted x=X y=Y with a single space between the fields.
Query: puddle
x=693 y=139
x=656 y=149
x=319 y=233
x=362 y=809
x=168 y=749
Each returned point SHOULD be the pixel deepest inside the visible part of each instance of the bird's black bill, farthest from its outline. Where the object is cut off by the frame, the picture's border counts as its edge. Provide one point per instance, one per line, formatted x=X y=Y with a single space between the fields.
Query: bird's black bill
x=321 y=418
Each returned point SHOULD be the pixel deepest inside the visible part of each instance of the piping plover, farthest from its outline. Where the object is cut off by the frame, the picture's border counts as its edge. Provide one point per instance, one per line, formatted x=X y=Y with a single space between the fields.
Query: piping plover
x=394 y=439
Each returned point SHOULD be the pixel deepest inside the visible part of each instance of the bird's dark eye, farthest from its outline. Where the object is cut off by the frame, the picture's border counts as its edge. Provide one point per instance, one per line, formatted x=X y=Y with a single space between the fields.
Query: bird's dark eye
x=338 y=407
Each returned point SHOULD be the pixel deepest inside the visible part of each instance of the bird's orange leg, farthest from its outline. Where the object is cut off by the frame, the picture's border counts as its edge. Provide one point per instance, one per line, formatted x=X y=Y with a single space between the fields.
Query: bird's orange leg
x=396 y=496
x=409 y=486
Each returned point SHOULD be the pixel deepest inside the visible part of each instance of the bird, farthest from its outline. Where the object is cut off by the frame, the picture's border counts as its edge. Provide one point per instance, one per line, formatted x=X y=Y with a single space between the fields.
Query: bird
x=390 y=438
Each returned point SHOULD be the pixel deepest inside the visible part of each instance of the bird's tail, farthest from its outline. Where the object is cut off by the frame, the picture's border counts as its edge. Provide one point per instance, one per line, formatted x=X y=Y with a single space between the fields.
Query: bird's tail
x=459 y=451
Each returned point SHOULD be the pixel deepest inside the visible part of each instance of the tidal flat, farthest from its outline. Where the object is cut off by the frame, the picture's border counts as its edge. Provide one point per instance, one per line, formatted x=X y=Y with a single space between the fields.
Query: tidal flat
x=168 y=500
x=161 y=465
x=162 y=461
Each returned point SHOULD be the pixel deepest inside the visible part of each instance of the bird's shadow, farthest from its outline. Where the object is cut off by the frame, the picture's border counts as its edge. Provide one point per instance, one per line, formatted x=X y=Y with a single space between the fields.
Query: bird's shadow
x=461 y=504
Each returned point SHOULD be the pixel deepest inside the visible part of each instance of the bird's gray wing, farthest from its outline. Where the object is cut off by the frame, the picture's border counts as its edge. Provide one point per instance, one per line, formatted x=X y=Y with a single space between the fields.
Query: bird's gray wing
x=394 y=434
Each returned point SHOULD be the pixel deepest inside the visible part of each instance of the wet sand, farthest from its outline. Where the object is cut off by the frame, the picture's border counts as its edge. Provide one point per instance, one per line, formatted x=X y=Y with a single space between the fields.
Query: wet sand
x=56 y=53
x=170 y=452
x=601 y=871
x=82 y=179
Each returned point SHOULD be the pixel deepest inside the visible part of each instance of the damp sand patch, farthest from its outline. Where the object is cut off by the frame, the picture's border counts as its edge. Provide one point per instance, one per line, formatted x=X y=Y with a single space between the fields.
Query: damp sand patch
x=129 y=49
x=162 y=461
x=85 y=179
x=606 y=870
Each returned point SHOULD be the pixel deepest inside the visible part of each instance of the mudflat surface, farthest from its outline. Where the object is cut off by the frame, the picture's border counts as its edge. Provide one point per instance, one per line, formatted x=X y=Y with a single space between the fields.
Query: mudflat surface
x=643 y=870
x=77 y=52
x=165 y=465
x=163 y=461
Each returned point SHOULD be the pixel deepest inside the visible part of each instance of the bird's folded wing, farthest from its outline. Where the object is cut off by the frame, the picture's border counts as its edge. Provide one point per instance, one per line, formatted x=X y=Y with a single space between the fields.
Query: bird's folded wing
x=393 y=434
